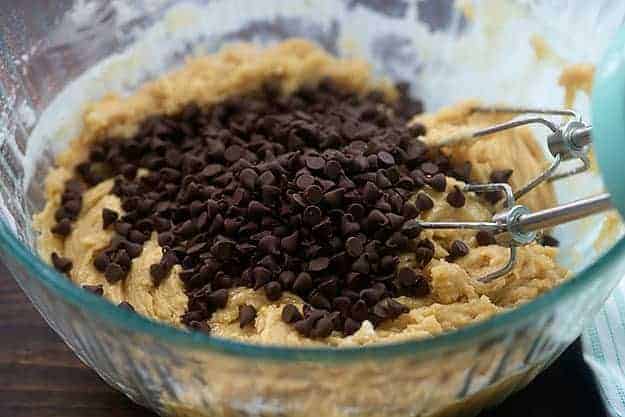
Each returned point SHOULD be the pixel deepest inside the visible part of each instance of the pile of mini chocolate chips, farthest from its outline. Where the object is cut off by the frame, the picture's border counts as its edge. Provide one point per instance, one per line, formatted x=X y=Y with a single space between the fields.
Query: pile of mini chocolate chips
x=306 y=193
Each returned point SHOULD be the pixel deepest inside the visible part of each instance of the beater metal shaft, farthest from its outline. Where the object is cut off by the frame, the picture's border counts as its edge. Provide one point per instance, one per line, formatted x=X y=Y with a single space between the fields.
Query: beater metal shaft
x=516 y=225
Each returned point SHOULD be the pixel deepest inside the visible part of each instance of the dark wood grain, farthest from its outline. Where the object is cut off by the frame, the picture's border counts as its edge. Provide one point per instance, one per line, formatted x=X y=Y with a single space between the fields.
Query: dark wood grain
x=41 y=377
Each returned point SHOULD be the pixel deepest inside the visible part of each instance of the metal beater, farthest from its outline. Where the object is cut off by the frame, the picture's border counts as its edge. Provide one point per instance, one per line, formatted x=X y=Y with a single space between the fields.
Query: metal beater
x=515 y=225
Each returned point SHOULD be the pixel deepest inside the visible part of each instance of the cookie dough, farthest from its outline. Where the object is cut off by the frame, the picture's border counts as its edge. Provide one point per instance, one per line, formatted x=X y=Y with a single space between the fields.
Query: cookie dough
x=456 y=298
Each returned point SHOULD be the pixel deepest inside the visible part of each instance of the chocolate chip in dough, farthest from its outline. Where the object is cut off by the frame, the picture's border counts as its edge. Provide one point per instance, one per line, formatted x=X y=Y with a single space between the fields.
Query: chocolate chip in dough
x=456 y=197
x=114 y=273
x=247 y=315
x=62 y=228
x=126 y=306
x=438 y=182
x=61 y=263
x=458 y=249
x=485 y=238
x=290 y=314
x=423 y=202
x=548 y=240
x=94 y=289
x=108 y=217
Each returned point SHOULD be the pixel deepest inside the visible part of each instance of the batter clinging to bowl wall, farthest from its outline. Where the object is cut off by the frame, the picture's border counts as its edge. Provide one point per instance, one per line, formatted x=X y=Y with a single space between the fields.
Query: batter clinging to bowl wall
x=271 y=195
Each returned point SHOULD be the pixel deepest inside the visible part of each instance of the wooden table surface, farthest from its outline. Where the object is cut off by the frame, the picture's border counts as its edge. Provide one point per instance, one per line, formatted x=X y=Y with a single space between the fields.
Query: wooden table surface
x=41 y=377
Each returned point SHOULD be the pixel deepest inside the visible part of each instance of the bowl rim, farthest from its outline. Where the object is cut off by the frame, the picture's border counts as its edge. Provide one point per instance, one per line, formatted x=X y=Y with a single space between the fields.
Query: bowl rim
x=102 y=309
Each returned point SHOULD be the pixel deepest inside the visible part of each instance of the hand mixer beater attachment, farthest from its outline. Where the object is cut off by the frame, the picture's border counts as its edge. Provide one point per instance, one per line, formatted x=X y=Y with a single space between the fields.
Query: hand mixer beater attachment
x=515 y=225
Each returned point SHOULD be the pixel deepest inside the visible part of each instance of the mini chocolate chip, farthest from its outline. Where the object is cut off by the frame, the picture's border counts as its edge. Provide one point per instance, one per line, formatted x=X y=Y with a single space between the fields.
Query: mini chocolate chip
x=158 y=272
x=438 y=182
x=357 y=210
x=287 y=278
x=423 y=202
x=74 y=185
x=290 y=314
x=397 y=308
x=61 y=263
x=218 y=298
x=370 y=295
x=273 y=290
x=233 y=153
x=359 y=311
x=313 y=194
x=315 y=163
x=493 y=197
x=126 y=306
x=406 y=277
x=304 y=181
x=341 y=304
x=303 y=283
x=94 y=289
x=319 y=301
x=261 y=276
x=386 y=158
x=395 y=220
x=333 y=169
x=73 y=207
x=322 y=328
x=421 y=288
x=304 y=327
x=361 y=265
x=334 y=198
x=136 y=236
x=211 y=170
x=417 y=129
x=456 y=198
x=501 y=176
x=354 y=246
x=247 y=315
x=134 y=249
x=267 y=178
x=240 y=197
x=186 y=230
x=351 y=326
x=123 y=228
x=389 y=309
x=429 y=168
x=257 y=209
x=485 y=238
x=548 y=240
x=423 y=256
x=166 y=239
x=223 y=249
x=101 y=261
x=248 y=178
x=200 y=326
x=122 y=258
x=318 y=264
x=269 y=245
x=114 y=272
x=370 y=192
x=411 y=228
x=377 y=218
x=312 y=215
x=289 y=243
x=349 y=228
x=62 y=228
x=458 y=249
x=382 y=181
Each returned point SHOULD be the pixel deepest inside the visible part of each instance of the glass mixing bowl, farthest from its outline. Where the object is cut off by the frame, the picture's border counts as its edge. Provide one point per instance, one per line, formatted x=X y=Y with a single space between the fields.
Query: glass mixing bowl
x=59 y=55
